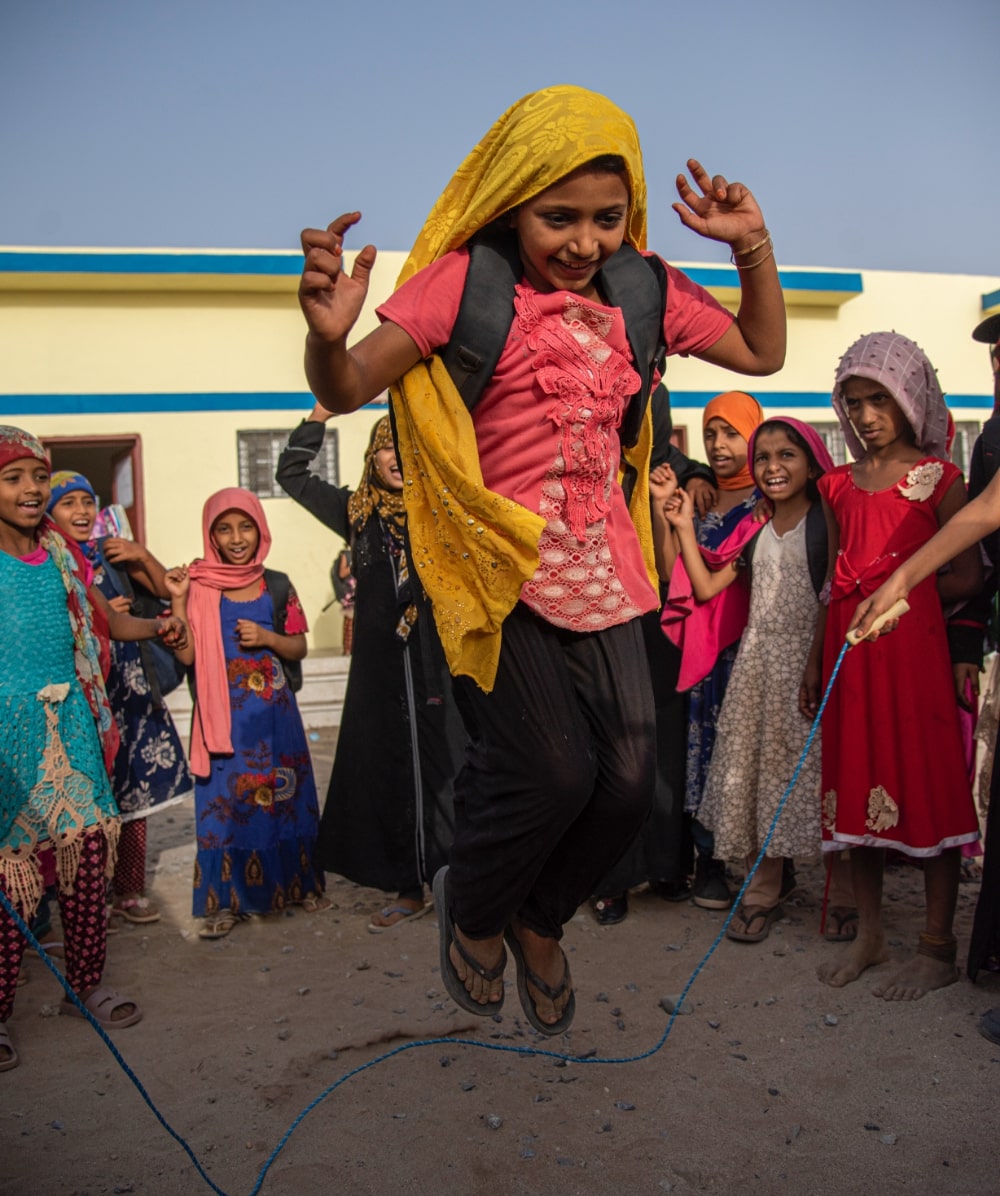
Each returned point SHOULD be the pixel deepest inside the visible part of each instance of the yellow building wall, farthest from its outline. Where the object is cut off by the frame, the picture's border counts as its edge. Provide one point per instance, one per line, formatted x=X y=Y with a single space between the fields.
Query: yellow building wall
x=205 y=335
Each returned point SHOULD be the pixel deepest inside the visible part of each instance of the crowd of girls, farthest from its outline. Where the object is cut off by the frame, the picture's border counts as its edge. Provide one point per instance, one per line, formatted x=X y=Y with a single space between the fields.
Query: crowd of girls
x=539 y=535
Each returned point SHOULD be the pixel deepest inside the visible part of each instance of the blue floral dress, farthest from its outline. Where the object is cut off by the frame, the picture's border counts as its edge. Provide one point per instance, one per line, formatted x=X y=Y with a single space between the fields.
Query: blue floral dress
x=150 y=771
x=256 y=814
x=705 y=698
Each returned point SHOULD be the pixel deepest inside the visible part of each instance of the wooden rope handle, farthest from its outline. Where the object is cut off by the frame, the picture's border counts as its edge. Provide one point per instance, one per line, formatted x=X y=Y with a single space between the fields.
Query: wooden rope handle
x=896 y=611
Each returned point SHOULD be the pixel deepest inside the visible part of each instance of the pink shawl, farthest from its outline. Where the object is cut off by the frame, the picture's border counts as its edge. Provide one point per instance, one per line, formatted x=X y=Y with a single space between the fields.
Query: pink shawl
x=702 y=629
x=211 y=723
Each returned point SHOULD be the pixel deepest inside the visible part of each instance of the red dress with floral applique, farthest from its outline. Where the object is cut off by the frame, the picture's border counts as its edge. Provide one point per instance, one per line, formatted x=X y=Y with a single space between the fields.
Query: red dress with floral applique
x=894 y=771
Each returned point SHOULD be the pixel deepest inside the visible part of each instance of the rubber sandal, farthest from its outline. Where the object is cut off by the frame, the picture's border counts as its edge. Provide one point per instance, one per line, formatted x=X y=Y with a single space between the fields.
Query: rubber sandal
x=406 y=915
x=101 y=1004
x=609 y=911
x=841 y=924
x=135 y=909
x=12 y=1059
x=989 y=1027
x=317 y=903
x=526 y=975
x=218 y=925
x=748 y=915
x=446 y=928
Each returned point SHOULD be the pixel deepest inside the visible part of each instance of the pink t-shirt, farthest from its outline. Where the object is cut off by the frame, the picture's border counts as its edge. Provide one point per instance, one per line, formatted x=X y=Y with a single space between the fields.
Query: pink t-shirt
x=547 y=428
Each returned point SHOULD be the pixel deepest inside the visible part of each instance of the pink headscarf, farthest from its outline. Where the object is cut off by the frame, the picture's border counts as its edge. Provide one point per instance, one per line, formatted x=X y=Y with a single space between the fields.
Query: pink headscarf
x=902 y=367
x=809 y=434
x=211 y=724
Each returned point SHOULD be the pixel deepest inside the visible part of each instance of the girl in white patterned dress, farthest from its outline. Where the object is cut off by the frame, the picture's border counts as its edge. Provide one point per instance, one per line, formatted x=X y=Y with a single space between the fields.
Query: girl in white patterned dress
x=760 y=732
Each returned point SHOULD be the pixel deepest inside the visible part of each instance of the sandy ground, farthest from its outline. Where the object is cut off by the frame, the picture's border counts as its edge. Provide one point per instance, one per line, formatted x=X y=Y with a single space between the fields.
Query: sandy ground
x=773 y=1083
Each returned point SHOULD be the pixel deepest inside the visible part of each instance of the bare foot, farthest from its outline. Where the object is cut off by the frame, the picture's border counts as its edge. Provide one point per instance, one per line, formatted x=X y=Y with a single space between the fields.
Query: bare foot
x=545 y=958
x=488 y=953
x=916 y=977
x=864 y=952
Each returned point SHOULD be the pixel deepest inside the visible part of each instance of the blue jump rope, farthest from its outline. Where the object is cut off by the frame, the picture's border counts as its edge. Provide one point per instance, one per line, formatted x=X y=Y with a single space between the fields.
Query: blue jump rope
x=897 y=610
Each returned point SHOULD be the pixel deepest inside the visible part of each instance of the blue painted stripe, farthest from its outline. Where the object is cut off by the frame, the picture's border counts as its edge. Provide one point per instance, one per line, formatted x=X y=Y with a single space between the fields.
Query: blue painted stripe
x=799 y=280
x=789 y=400
x=289 y=264
x=991 y=300
x=121 y=404
x=151 y=263
x=105 y=404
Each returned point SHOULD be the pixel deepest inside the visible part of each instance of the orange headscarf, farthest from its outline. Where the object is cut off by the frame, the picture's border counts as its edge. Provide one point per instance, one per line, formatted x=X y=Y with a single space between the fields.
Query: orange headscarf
x=742 y=412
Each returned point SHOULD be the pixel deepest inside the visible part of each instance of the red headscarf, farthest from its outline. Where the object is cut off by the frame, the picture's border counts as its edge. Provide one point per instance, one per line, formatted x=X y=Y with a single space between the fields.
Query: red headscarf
x=742 y=412
x=212 y=720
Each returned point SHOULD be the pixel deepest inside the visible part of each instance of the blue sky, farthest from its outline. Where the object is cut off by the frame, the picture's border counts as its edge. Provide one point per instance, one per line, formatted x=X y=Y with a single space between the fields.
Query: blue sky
x=867 y=130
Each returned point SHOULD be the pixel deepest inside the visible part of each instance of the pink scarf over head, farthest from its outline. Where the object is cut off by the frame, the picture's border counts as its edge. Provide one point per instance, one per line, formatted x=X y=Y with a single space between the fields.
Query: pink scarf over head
x=211 y=724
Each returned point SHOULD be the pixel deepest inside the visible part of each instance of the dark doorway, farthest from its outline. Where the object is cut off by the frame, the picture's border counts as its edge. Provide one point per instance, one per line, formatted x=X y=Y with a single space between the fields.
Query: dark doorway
x=112 y=465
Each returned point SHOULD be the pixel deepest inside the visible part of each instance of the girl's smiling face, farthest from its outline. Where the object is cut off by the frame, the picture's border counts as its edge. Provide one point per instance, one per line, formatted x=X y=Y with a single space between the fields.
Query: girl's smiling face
x=874 y=414
x=780 y=467
x=236 y=536
x=567 y=232
x=24 y=494
x=387 y=469
x=725 y=448
x=74 y=515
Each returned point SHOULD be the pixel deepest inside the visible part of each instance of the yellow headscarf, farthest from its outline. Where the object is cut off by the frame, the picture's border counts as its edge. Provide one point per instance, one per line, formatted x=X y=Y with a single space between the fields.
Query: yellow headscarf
x=473 y=549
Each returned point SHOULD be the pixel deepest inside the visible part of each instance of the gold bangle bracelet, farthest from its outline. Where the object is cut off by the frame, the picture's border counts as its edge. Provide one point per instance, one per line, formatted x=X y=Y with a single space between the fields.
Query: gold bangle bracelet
x=753 y=248
x=758 y=262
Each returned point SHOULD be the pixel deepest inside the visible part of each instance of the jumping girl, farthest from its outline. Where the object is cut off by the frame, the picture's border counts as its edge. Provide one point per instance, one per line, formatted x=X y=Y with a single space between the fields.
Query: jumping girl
x=150 y=770
x=389 y=810
x=58 y=821
x=760 y=731
x=897 y=777
x=256 y=812
x=708 y=630
x=519 y=529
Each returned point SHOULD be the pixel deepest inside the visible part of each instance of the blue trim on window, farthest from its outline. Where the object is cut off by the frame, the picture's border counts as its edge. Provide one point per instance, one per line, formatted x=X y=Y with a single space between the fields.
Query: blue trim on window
x=991 y=300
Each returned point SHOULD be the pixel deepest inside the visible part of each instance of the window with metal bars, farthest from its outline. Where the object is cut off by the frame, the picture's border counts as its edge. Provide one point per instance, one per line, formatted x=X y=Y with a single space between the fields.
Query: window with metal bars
x=258 y=453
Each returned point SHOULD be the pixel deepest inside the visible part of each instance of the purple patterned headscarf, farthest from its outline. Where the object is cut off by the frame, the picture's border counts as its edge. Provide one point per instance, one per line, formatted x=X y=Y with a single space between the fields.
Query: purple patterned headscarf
x=903 y=368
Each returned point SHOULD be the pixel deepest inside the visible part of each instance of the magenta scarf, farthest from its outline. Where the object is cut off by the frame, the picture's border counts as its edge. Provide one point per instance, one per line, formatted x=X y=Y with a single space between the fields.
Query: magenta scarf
x=211 y=723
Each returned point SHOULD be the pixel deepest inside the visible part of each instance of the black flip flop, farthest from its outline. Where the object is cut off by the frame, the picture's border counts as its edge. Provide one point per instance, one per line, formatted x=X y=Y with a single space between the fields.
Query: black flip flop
x=456 y=989
x=524 y=975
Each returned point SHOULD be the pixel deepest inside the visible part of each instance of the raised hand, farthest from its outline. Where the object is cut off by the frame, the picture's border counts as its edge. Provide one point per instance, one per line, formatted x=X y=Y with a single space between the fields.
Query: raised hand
x=116 y=549
x=679 y=511
x=723 y=211
x=177 y=581
x=703 y=494
x=173 y=632
x=252 y=635
x=331 y=300
x=662 y=484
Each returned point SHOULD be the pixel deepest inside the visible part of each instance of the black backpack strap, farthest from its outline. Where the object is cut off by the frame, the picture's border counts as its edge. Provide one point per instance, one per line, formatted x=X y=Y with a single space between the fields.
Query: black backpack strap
x=280 y=588
x=638 y=285
x=122 y=584
x=817 y=546
x=485 y=314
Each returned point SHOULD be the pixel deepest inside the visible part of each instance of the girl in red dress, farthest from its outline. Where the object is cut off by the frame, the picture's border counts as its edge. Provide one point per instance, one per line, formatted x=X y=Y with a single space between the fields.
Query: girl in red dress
x=894 y=772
